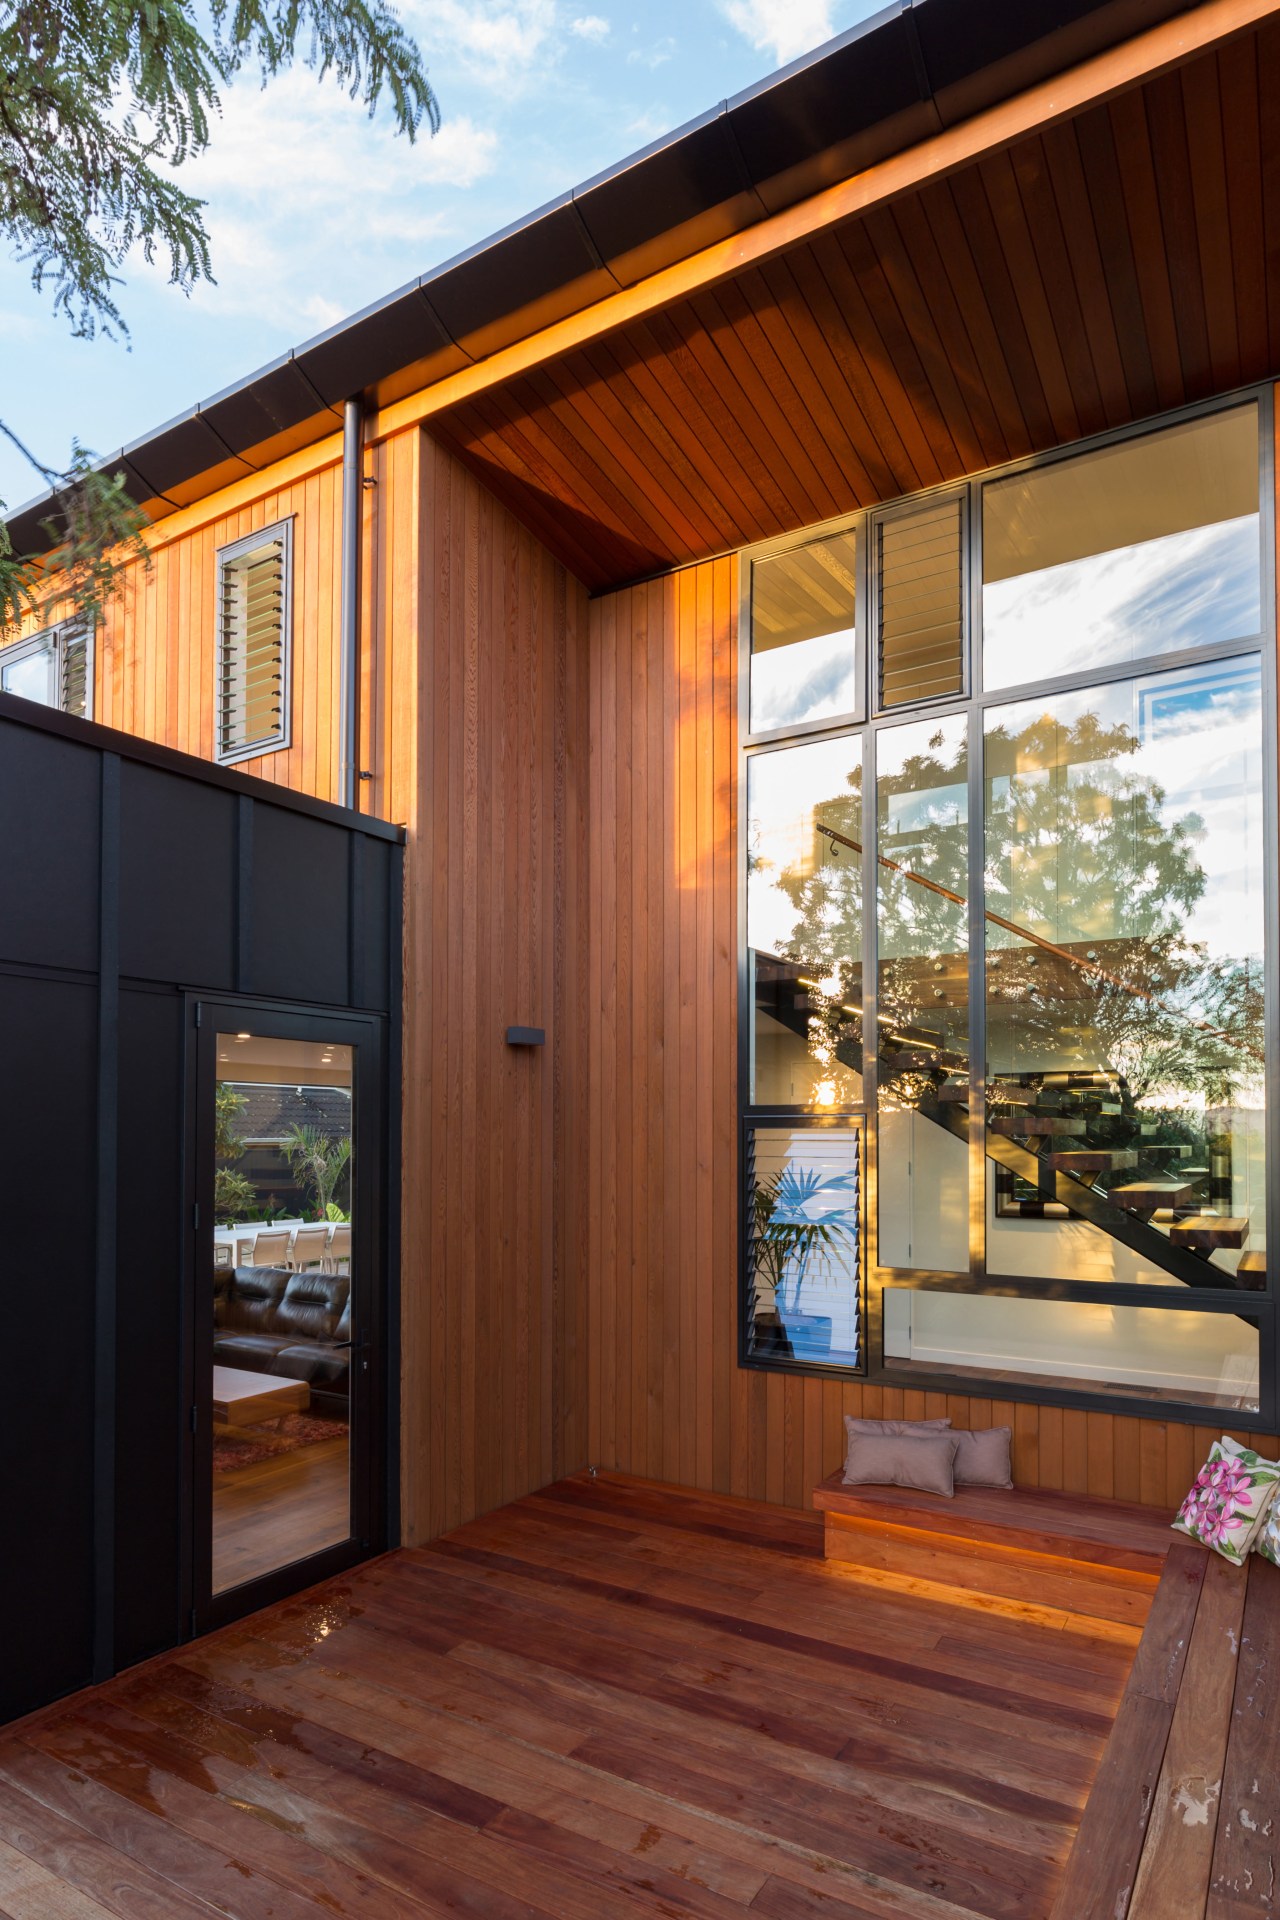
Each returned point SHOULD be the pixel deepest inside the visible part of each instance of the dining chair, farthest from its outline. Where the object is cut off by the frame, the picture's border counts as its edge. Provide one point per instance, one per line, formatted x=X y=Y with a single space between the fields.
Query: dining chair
x=337 y=1257
x=310 y=1244
x=270 y=1249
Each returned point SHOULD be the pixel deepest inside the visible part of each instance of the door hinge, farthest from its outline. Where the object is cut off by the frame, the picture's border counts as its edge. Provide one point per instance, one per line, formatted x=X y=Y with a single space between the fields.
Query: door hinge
x=191 y=1624
x=199 y=1013
x=195 y=1214
x=195 y=1419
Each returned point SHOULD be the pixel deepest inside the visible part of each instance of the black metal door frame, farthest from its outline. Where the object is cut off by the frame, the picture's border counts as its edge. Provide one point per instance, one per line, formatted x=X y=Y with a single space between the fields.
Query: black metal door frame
x=371 y=1400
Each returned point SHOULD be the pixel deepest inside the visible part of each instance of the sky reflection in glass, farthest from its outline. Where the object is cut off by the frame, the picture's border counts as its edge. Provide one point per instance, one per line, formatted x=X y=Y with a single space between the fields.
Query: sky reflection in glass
x=1187 y=589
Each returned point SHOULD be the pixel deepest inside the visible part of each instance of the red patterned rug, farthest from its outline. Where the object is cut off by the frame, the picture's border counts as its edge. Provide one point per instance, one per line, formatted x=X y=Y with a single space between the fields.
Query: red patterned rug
x=246 y=1446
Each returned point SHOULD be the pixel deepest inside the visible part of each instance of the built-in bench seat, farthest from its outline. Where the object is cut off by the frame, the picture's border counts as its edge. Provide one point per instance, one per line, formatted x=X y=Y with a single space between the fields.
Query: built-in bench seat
x=1097 y=1558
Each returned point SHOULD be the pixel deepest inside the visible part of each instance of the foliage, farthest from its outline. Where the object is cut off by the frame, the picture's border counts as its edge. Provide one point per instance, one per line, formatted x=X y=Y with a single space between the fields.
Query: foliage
x=785 y=1236
x=233 y=1195
x=100 y=100
x=318 y=1163
x=96 y=531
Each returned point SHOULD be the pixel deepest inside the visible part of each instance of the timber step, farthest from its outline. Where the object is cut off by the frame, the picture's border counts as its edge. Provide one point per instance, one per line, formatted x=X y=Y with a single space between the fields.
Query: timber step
x=1099 y=1558
x=1144 y=1196
x=1183 y=1812
x=1208 y=1230
x=1254 y=1263
x=1092 y=1160
x=1039 y=1123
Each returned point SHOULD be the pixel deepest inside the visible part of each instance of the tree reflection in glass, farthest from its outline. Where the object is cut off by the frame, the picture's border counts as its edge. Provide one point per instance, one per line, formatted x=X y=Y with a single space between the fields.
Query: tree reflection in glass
x=804 y=924
x=1124 y=874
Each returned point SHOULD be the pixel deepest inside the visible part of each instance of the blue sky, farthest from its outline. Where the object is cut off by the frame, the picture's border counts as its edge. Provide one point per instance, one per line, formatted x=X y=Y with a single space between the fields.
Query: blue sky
x=313 y=211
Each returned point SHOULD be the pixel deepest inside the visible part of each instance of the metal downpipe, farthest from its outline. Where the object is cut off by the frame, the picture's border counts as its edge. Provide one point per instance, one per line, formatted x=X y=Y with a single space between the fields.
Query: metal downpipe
x=349 y=589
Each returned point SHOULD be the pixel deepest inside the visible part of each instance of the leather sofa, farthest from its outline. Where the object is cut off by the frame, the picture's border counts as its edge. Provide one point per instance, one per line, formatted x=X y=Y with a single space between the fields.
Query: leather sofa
x=294 y=1325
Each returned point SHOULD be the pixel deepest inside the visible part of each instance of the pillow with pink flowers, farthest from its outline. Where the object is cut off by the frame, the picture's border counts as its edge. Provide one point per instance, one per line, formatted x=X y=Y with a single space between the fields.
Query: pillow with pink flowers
x=1227 y=1506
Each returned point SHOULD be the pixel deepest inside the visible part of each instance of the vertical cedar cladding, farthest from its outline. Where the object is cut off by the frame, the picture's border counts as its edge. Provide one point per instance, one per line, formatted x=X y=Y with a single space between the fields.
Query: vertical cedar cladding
x=253 y=644
x=921 y=602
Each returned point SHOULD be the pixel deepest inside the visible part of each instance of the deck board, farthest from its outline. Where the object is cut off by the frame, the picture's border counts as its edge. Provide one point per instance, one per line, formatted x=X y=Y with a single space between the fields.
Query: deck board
x=607 y=1700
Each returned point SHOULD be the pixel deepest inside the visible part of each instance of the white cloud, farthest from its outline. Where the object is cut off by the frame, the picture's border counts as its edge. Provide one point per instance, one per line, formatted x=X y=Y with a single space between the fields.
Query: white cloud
x=655 y=56
x=500 y=43
x=783 y=28
x=306 y=199
x=589 y=26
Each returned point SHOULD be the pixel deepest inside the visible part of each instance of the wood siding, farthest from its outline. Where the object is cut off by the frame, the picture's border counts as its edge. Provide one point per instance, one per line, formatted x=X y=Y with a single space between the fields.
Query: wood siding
x=666 y=1396
x=492 y=1386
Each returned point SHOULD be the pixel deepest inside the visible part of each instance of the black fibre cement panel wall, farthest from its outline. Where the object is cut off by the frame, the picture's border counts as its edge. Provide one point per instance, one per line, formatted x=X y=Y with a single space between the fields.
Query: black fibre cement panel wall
x=132 y=877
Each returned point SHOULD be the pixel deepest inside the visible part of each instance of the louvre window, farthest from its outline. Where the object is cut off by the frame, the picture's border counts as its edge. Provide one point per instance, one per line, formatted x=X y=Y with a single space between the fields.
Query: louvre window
x=54 y=667
x=252 y=695
x=921 y=624
x=73 y=671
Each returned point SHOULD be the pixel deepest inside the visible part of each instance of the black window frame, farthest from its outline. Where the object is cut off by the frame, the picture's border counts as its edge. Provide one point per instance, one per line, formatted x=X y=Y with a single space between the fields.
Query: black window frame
x=975 y=702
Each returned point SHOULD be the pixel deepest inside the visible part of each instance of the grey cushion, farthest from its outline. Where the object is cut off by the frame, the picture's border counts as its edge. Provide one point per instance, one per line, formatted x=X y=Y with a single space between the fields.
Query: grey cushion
x=853 y=1426
x=925 y=1461
x=983 y=1458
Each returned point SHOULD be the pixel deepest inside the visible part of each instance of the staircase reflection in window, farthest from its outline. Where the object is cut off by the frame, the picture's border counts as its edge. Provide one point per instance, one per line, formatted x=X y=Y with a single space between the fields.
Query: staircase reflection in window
x=922 y=819
x=1124 y=938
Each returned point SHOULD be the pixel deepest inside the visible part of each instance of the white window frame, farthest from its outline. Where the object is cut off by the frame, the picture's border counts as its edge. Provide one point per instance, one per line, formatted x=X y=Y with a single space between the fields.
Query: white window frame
x=52 y=641
x=281 y=530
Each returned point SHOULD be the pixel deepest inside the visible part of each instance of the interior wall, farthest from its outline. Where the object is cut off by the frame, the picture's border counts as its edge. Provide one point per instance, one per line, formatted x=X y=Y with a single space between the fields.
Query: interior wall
x=666 y=1397
x=476 y=708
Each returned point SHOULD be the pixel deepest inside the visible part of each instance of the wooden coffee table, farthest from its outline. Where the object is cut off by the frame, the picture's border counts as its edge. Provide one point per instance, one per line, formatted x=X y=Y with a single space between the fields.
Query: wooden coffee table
x=243 y=1399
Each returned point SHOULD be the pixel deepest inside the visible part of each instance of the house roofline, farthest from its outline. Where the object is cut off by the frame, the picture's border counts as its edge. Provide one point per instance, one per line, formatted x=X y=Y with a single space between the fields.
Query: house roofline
x=909 y=72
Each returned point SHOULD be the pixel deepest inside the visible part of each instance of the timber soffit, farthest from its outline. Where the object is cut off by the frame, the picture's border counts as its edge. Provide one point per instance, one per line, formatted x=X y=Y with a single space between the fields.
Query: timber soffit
x=909 y=73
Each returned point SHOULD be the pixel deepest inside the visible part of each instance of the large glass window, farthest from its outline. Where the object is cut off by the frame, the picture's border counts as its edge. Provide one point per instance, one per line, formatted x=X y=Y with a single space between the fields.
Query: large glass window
x=922 y=1003
x=1063 y=1099
x=803 y=634
x=1144 y=547
x=804 y=924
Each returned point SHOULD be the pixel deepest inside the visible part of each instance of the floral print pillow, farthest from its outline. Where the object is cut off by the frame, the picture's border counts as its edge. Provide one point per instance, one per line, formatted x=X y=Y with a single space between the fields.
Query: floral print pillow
x=1227 y=1506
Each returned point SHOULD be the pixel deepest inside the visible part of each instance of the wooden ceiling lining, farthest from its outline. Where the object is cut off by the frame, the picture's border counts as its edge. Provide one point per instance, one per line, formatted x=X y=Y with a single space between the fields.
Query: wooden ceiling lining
x=1106 y=269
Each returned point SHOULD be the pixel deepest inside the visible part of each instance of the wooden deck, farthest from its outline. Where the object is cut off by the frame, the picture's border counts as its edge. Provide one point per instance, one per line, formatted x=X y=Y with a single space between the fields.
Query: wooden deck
x=605 y=1701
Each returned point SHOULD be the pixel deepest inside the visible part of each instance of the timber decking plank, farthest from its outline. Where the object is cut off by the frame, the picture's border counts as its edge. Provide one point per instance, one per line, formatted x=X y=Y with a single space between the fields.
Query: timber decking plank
x=1162 y=1653
x=68 y=1853
x=1244 y=1859
x=1173 y=1872
x=1104 y=1860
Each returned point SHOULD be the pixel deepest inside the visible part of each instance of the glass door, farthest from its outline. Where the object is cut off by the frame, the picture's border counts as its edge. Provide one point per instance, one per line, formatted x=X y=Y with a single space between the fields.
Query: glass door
x=282 y=1348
